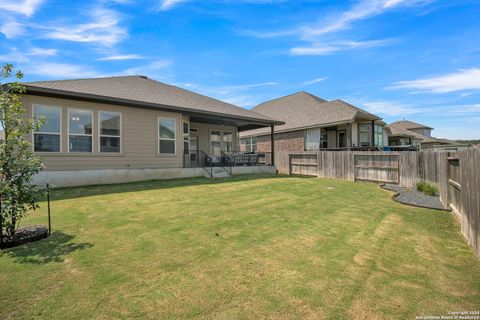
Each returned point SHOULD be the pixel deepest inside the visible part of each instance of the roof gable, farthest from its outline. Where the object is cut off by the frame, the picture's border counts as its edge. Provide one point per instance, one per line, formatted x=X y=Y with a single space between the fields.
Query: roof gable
x=408 y=125
x=303 y=109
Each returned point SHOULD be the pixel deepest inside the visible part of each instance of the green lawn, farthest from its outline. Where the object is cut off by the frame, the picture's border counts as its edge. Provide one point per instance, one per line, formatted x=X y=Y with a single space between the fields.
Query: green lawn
x=243 y=248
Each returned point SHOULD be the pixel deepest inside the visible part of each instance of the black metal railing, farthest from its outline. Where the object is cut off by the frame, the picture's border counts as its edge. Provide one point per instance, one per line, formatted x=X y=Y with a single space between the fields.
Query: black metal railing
x=227 y=162
x=237 y=158
x=207 y=163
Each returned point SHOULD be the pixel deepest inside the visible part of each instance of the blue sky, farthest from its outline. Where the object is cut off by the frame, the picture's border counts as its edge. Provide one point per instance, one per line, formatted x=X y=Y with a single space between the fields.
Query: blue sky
x=414 y=59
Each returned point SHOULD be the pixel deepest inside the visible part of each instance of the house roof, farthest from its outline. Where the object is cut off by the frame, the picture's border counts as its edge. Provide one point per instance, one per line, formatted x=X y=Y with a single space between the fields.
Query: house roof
x=396 y=131
x=305 y=110
x=141 y=91
x=406 y=124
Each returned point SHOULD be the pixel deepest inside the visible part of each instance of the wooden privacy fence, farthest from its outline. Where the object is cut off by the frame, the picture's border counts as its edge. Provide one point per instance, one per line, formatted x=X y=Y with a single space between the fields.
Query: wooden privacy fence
x=457 y=175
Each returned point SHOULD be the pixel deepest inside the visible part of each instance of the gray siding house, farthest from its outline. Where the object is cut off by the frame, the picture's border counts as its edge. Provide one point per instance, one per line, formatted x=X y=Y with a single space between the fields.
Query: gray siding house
x=118 y=129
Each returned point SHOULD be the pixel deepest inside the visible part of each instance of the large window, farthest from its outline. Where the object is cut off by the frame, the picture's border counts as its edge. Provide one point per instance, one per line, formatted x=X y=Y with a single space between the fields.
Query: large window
x=79 y=130
x=365 y=134
x=186 y=138
x=312 y=139
x=227 y=141
x=47 y=137
x=215 y=142
x=110 y=135
x=379 y=136
x=166 y=132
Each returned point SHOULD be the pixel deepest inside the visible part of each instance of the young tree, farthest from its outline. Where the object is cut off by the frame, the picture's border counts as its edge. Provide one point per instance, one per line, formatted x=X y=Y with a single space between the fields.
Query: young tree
x=17 y=161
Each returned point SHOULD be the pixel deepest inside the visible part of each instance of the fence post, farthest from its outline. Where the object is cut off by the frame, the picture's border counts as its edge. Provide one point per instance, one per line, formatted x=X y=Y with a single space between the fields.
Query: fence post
x=49 y=217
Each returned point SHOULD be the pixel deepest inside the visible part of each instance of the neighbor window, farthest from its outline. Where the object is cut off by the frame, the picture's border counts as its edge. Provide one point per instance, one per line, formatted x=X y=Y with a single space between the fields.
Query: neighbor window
x=378 y=136
x=215 y=142
x=110 y=131
x=227 y=141
x=312 y=139
x=166 y=130
x=251 y=144
x=186 y=138
x=365 y=134
x=324 y=139
x=47 y=137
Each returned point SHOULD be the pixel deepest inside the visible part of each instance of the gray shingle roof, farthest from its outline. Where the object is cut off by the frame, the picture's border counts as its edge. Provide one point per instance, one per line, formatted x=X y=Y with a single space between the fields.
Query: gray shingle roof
x=141 y=90
x=304 y=110
x=398 y=131
x=406 y=124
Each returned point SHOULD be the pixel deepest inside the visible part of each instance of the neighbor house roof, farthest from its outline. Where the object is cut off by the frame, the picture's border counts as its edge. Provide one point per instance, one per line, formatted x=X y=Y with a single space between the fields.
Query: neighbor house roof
x=406 y=124
x=303 y=110
x=396 y=131
x=143 y=92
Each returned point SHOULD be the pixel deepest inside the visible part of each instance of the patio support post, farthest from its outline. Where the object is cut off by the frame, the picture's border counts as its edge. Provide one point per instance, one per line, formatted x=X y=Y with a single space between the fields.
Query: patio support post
x=350 y=136
x=272 y=143
x=373 y=133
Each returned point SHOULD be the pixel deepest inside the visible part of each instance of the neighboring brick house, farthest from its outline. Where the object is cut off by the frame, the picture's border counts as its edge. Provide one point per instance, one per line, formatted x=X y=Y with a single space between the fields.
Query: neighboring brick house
x=405 y=132
x=312 y=123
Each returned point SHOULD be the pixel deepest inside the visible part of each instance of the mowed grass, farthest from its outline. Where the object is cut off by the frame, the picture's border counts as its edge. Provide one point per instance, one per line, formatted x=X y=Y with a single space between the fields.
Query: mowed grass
x=243 y=248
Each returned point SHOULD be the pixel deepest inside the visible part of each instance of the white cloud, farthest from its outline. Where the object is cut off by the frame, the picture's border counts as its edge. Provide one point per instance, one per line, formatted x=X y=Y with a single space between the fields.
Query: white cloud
x=24 y=56
x=336 y=22
x=24 y=7
x=122 y=57
x=11 y=28
x=43 y=52
x=168 y=4
x=60 y=70
x=318 y=49
x=461 y=80
x=390 y=108
x=150 y=69
x=362 y=10
x=317 y=80
x=237 y=94
x=103 y=28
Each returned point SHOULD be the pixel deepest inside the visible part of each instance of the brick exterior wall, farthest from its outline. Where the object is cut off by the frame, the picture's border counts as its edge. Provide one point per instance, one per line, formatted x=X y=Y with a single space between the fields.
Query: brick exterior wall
x=286 y=141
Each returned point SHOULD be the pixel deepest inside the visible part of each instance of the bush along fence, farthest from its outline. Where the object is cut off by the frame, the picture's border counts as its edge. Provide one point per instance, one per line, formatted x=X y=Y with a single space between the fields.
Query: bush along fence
x=457 y=175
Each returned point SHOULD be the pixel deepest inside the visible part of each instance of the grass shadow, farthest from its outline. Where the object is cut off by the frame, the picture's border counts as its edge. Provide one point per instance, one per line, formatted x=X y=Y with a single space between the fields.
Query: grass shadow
x=51 y=249
x=96 y=190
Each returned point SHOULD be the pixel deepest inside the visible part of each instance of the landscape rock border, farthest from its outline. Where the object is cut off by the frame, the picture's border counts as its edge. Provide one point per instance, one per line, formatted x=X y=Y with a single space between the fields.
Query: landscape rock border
x=414 y=198
x=24 y=235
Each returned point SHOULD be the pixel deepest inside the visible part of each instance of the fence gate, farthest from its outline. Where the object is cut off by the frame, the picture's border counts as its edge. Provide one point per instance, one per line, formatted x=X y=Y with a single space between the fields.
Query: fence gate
x=305 y=164
x=454 y=188
x=377 y=167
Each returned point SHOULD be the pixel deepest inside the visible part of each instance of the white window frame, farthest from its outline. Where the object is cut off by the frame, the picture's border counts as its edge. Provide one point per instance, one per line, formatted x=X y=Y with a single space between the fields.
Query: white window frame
x=79 y=134
x=174 y=137
x=210 y=140
x=247 y=144
x=370 y=134
x=223 y=142
x=100 y=135
x=43 y=132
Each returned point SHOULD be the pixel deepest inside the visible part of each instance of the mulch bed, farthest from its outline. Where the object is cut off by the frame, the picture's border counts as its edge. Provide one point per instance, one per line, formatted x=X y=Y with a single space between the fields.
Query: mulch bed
x=25 y=234
x=413 y=197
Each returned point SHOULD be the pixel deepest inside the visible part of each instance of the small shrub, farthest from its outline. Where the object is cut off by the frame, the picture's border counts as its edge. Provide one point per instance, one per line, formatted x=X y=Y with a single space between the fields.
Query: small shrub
x=427 y=188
